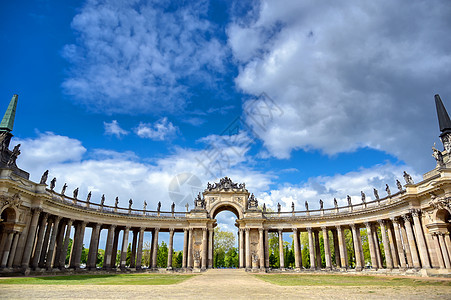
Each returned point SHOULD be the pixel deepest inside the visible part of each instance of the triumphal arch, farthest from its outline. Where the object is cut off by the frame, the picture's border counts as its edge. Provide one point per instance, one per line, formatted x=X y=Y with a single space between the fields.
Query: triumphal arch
x=413 y=220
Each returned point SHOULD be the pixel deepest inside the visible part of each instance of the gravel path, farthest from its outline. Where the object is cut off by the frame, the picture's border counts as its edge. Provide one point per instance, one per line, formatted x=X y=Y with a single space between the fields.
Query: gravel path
x=220 y=284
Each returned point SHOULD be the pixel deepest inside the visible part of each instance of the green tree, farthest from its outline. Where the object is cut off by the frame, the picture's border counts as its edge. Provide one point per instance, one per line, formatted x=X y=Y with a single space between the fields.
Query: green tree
x=177 y=259
x=69 y=248
x=224 y=242
x=100 y=257
x=129 y=254
x=162 y=256
x=305 y=250
x=84 y=255
x=273 y=239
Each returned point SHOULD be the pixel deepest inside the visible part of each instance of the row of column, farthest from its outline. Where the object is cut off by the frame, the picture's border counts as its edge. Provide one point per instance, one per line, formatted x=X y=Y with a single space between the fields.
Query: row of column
x=403 y=242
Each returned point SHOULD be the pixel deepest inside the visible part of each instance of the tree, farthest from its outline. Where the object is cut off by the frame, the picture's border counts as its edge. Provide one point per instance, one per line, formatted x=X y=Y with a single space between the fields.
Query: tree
x=162 y=256
x=177 y=259
x=273 y=239
x=100 y=257
x=84 y=255
x=224 y=242
x=146 y=254
x=69 y=248
x=129 y=254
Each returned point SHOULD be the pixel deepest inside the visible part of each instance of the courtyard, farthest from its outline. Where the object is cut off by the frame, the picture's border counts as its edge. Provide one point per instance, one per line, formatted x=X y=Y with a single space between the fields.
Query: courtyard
x=225 y=284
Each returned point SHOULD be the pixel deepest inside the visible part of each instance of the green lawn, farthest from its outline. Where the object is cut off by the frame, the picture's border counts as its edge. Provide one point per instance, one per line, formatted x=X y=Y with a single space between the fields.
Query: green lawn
x=119 y=279
x=347 y=280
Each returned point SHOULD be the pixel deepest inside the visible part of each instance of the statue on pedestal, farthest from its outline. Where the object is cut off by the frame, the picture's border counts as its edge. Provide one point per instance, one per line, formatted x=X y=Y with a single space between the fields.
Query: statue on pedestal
x=52 y=183
x=44 y=177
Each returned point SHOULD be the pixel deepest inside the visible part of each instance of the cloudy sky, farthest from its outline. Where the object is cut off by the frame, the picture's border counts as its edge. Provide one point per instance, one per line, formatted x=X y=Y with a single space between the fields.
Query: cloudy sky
x=150 y=100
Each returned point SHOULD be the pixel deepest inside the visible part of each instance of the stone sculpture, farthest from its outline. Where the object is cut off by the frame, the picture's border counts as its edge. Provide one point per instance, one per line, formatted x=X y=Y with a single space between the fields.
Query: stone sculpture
x=44 y=177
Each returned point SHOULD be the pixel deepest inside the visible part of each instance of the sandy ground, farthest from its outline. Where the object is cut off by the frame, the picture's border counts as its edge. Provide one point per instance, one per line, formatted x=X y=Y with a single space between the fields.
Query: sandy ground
x=220 y=284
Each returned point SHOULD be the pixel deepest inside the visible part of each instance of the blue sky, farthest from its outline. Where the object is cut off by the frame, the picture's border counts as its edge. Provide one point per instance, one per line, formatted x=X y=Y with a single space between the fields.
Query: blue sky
x=302 y=101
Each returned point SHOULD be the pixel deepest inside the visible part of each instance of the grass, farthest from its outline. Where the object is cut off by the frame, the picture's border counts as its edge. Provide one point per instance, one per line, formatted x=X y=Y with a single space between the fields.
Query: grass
x=347 y=280
x=119 y=279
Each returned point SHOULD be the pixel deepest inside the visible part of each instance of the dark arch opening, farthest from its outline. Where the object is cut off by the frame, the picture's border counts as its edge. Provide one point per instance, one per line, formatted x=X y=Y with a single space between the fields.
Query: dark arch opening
x=8 y=215
x=443 y=215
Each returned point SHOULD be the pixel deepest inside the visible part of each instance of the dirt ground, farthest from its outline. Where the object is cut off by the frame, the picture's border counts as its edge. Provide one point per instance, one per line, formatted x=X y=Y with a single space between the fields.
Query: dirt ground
x=220 y=284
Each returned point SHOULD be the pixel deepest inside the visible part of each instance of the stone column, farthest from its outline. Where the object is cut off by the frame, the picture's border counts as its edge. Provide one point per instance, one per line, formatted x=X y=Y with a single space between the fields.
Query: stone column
x=155 y=248
x=296 y=249
x=63 y=252
x=261 y=244
x=444 y=250
x=248 y=249
x=393 y=245
x=170 y=248
x=45 y=244
x=109 y=247
x=30 y=238
x=424 y=257
x=377 y=246
x=241 y=245
x=3 y=239
x=396 y=229
x=139 y=253
x=7 y=248
x=336 y=248
x=388 y=258
x=51 y=251
x=93 y=247
x=114 y=248
x=327 y=256
x=185 y=247
x=411 y=241
x=371 y=245
x=448 y=243
x=281 y=252
x=355 y=240
x=190 y=249
x=133 y=254
x=12 y=253
x=59 y=243
x=311 y=246
x=40 y=241
x=438 y=251
x=405 y=244
x=204 y=249
x=74 y=245
x=79 y=246
x=124 y=248
x=317 y=250
x=267 y=248
x=210 y=247
x=342 y=246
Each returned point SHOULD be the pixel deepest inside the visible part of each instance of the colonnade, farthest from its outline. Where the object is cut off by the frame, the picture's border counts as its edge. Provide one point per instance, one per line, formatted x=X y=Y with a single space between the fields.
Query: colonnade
x=404 y=245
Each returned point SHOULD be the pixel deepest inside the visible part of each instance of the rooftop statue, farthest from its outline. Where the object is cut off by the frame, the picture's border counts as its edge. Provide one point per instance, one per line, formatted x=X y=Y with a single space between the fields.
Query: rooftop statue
x=44 y=177
x=52 y=183
x=399 y=185
x=145 y=205
x=335 y=203
x=408 y=178
x=15 y=153
x=363 y=196
x=264 y=207
x=116 y=202
x=89 y=197
x=387 y=189
x=321 y=204
x=63 y=190
x=376 y=194
x=349 y=200
x=76 y=193
x=292 y=206
x=173 y=207
x=306 y=205
x=102 y=200
x=252 y=202
x=225 y=184
x=130 y=203
x=438 y=156
x=159 y=206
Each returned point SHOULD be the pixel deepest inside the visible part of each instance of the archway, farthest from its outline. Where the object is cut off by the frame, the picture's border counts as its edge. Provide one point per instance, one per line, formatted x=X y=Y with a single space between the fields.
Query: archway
x=225 y=245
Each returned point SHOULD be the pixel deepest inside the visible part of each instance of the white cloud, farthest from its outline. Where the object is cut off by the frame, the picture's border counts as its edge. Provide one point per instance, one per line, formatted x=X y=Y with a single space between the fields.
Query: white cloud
x=338 y=186
x=141 y=56
x=113 y=128
x=159 y=131
x=361 y=74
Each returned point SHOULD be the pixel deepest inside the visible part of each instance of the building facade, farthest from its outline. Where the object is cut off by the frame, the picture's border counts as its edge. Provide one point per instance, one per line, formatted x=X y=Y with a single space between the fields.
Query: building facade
x=37 y=222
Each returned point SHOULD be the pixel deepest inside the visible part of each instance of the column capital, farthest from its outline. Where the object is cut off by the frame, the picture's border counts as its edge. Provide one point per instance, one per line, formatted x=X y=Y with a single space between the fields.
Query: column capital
x=260 y=230
x=190 y=230
x=157 y=229
x=127 y=227
x=309 y=229
x=415 y=212
x=367 y=225
x=381 y=222
x=142 y=229
x=69 y=222
x=45 y=215
x=323 y=228
x=56 y=219
x=279 y=231
x=204 y=229
x=247 y=229
x=36 y=210
x=295 y=230
x=83 y=223
x=395 y=220
x=406 y=218
x=185 y=230
x=171 y=230
x=113 y=226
